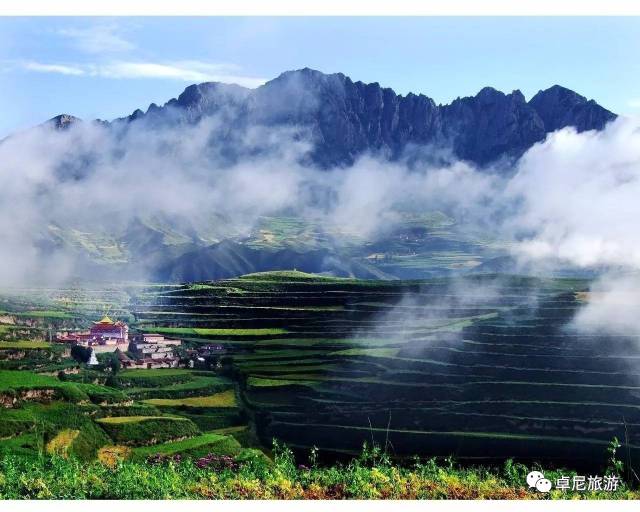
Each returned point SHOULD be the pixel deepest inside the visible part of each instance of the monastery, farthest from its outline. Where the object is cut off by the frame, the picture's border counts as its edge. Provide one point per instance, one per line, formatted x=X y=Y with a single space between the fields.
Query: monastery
x=140 y=351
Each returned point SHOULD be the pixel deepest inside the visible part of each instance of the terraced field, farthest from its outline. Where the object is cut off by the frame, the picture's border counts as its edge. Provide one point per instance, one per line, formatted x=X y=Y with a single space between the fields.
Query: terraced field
x=86 y=412
x=482 y=368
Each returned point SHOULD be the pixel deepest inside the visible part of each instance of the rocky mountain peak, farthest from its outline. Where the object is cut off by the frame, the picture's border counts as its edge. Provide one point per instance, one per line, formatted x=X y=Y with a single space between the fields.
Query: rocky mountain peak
x=63 y=121
x=560 y=107
x=205 y=93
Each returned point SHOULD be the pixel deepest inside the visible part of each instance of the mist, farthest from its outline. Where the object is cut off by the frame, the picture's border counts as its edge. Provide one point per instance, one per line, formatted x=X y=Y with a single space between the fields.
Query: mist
x=93 y=178
x=577 y=195
x=570 y=200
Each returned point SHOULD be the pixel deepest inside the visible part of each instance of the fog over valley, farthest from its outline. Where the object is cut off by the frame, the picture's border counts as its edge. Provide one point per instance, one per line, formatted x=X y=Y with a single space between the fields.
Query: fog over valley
x=224 y=181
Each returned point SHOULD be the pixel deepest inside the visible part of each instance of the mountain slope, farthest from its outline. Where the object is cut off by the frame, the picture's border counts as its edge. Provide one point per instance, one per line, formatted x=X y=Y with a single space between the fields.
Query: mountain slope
x=348 y=118
x=209 y=127
x=230 y=259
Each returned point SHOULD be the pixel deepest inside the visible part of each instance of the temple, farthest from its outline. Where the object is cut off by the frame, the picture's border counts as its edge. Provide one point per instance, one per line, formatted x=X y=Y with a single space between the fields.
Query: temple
x=104 y=336
x=143 y=351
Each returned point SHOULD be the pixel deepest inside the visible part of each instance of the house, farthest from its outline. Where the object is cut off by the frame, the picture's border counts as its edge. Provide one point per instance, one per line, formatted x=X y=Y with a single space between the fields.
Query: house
x=206 y=356
x=129 y=363
x=152 y=339
x=153 y=351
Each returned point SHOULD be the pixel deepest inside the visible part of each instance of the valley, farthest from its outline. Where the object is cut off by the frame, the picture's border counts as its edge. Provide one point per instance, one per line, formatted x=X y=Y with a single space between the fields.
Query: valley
x=416 y=246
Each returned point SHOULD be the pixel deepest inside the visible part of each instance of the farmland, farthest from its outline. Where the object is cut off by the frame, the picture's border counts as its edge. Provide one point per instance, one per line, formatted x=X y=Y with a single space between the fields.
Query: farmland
x=483 y=368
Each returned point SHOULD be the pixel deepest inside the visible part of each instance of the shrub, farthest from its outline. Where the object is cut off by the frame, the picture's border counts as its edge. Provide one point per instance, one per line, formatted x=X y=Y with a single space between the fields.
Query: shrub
x=113 y=382
x=219 y=477
x=9 y=428
x=73 y=393
x=146 y=430
x=112 y=455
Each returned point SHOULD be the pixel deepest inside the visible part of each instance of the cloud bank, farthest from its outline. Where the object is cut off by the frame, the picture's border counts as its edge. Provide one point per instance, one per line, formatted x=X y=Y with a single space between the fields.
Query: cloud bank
x=577 y=197
x=571 y=199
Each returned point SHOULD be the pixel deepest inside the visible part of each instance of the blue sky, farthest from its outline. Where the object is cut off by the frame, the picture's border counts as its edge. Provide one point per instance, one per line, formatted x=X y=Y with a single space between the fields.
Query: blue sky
x=108 y=67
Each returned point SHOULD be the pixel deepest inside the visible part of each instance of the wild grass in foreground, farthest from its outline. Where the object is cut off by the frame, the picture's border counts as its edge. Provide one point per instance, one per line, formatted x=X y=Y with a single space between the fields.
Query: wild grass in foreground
x=370 y=476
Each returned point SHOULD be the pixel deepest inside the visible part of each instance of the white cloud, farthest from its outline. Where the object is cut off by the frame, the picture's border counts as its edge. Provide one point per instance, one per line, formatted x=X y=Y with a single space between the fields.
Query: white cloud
x=578 y=193
x=187 y=71
x=98 y=39
x=611 y=306
x=53 y=68
x=634 y=103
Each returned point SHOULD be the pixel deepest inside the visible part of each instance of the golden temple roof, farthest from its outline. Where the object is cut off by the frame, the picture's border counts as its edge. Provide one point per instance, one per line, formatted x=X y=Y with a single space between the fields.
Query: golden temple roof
x=105 y=320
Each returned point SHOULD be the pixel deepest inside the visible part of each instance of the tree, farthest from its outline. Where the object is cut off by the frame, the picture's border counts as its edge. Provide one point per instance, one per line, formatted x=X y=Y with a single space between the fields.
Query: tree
x=114 y=364
x=113 y=381
x=81 y=354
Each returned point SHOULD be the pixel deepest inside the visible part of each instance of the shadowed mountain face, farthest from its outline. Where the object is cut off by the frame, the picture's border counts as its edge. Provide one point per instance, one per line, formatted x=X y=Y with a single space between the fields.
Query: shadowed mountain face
x=347 y=119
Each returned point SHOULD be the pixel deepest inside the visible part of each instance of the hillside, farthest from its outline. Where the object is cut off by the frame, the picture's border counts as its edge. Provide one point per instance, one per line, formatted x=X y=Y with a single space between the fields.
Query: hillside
x=431 y=367
x=438 y=367
x=484 y=368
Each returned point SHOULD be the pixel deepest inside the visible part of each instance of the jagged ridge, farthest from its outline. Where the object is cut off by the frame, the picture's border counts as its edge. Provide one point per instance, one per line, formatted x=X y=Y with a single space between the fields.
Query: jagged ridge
x=349 y=118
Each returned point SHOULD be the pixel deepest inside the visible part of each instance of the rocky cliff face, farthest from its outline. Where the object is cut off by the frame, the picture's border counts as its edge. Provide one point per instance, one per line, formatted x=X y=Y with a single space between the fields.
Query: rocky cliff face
x=9 y=400
x=347 y=118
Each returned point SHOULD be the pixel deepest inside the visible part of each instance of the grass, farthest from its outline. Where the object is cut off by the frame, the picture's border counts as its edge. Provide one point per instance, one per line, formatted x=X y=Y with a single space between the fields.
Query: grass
x=12 y=427
x=197 y=385
x=147 y=430
x=154 y=372
x=24 y=345
x=220 y=332
x=152 y=378
x=329 y=342
x=13 y=382
x=223 y=399
x=195 y=446
x=370 y=352
x=333 y=362
x=259 y=382
x=286 y=275
x=372 y=475
x=64 y=428
x=60 y=315
x=118 y=420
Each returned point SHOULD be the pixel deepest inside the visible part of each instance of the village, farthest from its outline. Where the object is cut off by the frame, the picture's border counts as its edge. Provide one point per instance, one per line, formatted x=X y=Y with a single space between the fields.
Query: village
x=140 y=350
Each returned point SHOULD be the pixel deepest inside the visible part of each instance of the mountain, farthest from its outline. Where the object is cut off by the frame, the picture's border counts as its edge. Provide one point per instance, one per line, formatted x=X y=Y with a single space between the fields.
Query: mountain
x=559 y=107
x=229 y=259
x=63 y=121
x=347 y=118
x=344 y=120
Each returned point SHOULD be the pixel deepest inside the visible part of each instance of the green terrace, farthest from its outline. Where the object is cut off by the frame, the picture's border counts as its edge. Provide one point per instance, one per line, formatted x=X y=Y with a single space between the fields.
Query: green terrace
x=480 y=366
x=318 y=357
